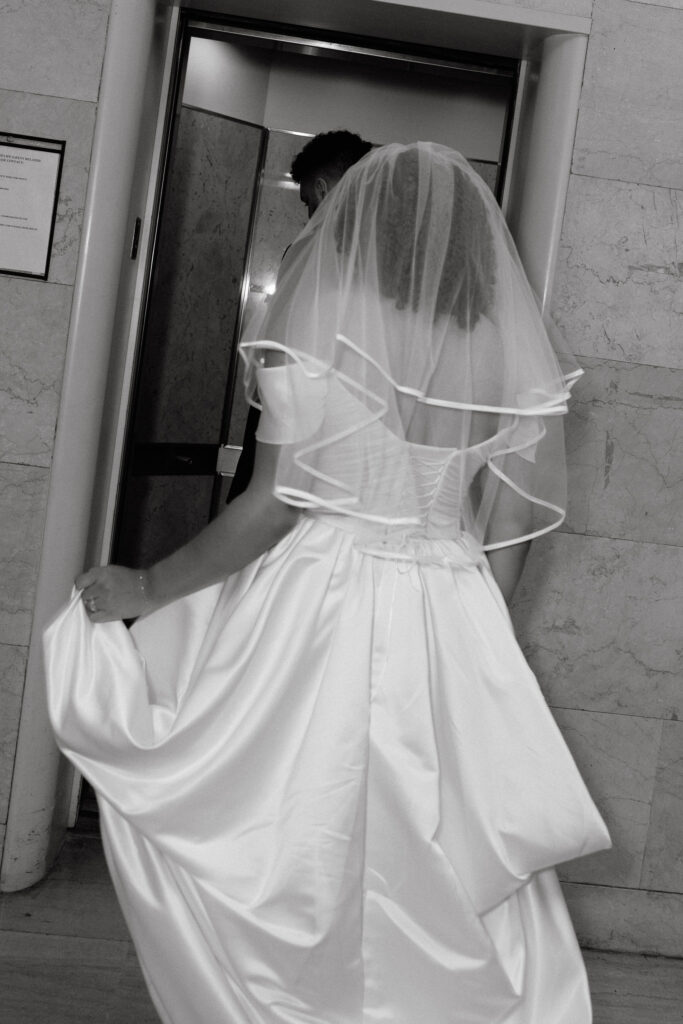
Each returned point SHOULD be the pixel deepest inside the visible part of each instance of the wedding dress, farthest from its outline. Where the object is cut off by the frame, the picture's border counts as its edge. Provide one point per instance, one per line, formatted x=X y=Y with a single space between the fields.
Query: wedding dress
x=330 y=788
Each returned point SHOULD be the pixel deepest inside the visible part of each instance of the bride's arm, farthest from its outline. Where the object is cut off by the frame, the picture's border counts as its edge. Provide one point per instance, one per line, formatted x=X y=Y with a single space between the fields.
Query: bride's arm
x=511 y=517
x=245 y=529
x=507 y=565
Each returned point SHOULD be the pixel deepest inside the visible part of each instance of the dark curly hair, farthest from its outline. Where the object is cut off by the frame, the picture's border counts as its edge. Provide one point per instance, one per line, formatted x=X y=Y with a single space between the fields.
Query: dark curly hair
x=329 y=153
x=469 y=256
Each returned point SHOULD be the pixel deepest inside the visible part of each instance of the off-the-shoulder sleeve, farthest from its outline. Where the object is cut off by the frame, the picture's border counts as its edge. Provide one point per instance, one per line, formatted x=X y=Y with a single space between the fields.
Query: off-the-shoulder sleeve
x=524 y=438
x=292 y=403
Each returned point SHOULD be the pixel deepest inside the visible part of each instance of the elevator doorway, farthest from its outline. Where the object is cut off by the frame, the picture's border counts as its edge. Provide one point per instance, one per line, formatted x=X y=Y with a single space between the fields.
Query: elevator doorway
x=248 y=98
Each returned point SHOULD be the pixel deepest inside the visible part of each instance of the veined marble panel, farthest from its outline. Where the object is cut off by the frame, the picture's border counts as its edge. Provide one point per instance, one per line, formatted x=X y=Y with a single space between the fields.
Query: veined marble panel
x=633 y=920
x=55 y=49
x=617 y=756
x=74 y=122
x=23 y=495
x=198 y=280
x=577 y=8
x=619 y=282
x=631 y=109
x=625 y=452
x=600 y=622
x=12 y=672
x=33 y=332
x=678 y=4
x=663 y=864
x=633 y=989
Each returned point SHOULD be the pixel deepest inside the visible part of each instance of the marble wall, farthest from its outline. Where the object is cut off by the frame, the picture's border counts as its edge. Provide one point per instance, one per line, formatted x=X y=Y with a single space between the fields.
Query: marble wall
x=577 y=8
x=50 y=67
x=600 y=608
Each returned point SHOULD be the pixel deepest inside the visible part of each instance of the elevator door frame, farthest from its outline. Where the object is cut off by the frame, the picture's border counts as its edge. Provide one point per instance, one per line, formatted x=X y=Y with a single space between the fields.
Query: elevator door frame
x=102 y=339
x=274 y=38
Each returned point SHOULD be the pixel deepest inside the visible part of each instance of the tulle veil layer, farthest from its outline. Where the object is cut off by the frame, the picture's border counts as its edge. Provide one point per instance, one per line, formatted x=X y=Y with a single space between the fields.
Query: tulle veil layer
x=402 y=322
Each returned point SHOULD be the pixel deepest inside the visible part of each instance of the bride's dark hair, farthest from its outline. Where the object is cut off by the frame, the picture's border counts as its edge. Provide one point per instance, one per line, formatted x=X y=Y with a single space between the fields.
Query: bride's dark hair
x=464 y=276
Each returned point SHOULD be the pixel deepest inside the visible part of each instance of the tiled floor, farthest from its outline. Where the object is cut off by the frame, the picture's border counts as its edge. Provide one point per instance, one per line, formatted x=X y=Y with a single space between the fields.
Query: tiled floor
x=65 y=954
x=65 y=958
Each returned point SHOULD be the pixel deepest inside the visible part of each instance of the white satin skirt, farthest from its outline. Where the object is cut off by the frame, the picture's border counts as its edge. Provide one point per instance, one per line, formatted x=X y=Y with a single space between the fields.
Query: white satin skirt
x=331 y=792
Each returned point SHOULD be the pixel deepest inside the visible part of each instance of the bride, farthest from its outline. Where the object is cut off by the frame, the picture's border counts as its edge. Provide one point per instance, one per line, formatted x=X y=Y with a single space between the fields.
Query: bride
x=330 y=789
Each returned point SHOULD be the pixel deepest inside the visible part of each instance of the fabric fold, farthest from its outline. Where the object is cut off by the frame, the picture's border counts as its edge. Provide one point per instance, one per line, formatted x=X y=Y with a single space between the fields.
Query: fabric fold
x=296 y=827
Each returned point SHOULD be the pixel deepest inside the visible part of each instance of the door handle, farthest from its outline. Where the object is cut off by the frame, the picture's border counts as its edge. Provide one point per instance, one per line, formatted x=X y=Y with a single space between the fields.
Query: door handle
x=160 y=458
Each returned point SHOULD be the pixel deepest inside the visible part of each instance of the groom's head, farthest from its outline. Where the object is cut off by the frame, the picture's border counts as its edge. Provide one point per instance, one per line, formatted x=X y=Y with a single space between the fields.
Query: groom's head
x=323 y=161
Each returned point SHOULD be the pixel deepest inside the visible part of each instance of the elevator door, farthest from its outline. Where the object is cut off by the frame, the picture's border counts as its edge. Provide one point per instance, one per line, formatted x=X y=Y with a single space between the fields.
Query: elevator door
x=193 y=309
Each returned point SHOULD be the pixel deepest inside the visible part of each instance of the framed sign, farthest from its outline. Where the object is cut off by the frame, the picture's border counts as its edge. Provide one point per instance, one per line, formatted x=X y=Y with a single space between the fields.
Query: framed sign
x=30 y=172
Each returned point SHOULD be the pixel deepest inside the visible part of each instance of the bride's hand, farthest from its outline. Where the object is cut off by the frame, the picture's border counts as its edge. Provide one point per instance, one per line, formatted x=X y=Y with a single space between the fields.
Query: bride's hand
x=112 y=592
